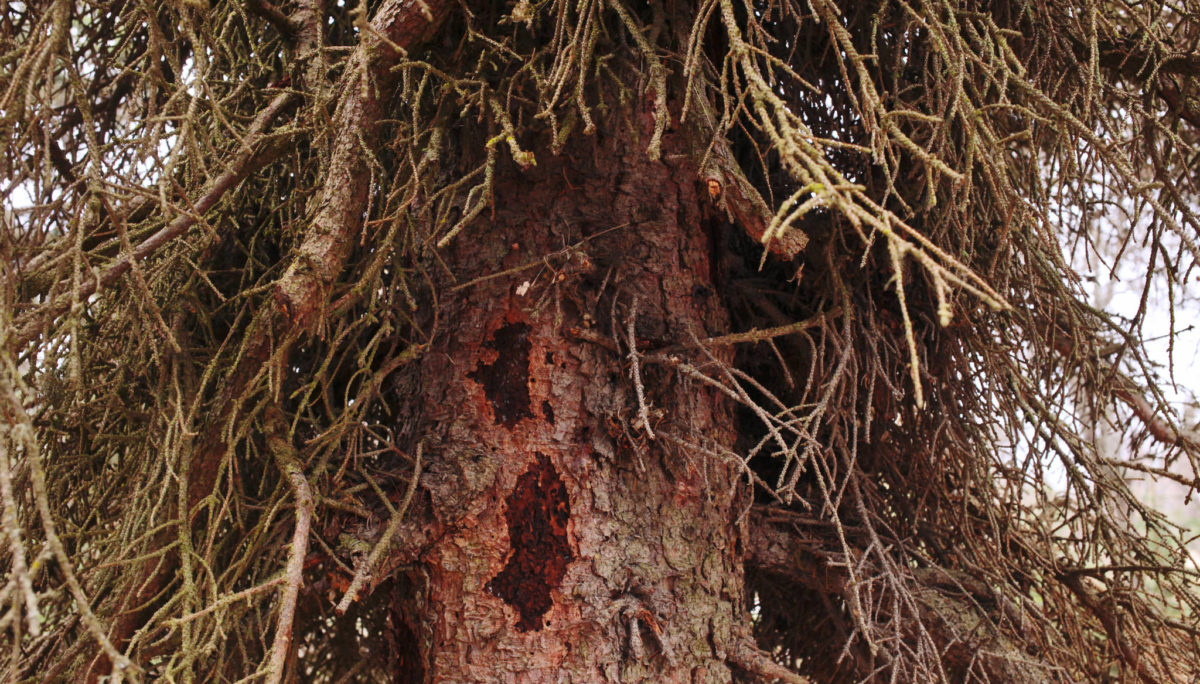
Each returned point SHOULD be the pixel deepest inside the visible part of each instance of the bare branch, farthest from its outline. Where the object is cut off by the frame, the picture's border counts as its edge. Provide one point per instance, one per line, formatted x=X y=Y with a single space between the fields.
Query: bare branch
x=33 y=323
x=288 y=463
x=282 y=22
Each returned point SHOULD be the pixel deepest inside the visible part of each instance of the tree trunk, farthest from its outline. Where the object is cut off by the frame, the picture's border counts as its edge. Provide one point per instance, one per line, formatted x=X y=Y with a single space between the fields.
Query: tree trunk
x=570 y=541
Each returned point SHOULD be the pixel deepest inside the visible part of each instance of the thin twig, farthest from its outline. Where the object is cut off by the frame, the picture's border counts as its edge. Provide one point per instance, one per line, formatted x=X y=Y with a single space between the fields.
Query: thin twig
x=12 y=530
x=289 y=464
x=365 y=569
x=750 y=336
x=21 y=432
x=282 y=22
x=540 y=261
x=635 y=370
x=226 y=600
x=237 y=169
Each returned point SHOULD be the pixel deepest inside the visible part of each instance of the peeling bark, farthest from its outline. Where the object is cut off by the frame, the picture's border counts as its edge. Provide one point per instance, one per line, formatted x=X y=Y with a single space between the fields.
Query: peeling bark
x=567 y=544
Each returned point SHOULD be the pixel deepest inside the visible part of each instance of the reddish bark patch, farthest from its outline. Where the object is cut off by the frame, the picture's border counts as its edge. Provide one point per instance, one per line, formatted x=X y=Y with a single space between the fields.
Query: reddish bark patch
x=538 y=510
x=506 y=380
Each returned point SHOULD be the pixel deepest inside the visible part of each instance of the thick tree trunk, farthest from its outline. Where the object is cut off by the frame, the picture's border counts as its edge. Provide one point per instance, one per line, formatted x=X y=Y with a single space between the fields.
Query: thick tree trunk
x=570 y=541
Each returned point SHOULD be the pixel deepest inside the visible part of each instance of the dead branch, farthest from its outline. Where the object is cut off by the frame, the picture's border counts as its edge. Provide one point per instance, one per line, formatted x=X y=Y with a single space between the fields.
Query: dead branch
x=751 y=659
x=242 y=164
x=364 y=573
x=288 y=463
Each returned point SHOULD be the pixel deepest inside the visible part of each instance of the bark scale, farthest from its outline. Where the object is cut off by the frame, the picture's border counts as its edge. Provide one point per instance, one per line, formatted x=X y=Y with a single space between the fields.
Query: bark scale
x=563 y=542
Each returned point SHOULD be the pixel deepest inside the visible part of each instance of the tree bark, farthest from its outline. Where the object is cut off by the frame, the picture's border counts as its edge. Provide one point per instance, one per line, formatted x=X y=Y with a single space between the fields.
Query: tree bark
x=570 y=541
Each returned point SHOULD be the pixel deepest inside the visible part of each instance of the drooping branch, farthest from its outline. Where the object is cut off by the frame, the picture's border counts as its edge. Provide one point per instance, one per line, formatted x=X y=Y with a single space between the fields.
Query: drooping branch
x=400 y=24
x=1152 y=65
x=748 y=657
x=21 y=434
x=855 y=121
x=318 y=260
x=243 y=162
x=364 y=573
x=1127 y=391
x=289 y=464
x=1160 y=429
x=953 y=618
x=1113 y=627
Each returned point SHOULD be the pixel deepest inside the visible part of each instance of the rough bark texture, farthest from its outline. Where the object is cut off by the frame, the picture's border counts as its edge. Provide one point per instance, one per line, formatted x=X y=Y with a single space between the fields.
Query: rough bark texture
x=567 y=544
x=306 y=380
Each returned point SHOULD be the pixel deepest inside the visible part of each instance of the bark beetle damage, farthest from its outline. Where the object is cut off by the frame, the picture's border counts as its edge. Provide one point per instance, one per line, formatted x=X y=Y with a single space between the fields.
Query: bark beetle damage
x=537 y=515
x=506 y=380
